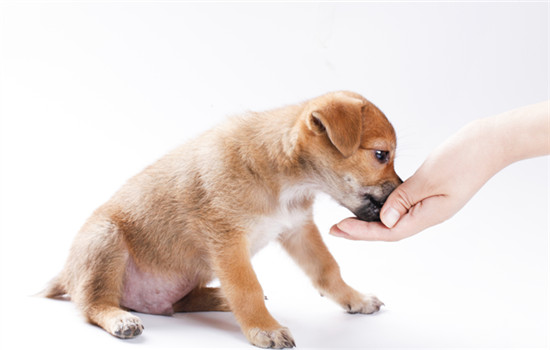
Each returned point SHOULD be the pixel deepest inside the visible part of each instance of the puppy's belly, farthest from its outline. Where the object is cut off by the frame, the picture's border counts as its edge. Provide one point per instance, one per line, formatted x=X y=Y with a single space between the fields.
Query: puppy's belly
x=148 y=293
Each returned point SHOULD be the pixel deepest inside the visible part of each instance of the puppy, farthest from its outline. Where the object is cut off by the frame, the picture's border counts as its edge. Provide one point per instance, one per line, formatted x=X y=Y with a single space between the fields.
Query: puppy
x=204 y=209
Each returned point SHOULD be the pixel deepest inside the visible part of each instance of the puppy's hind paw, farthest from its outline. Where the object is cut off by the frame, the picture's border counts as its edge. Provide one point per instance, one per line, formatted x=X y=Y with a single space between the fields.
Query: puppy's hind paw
x=128 y=327
x=275 y=339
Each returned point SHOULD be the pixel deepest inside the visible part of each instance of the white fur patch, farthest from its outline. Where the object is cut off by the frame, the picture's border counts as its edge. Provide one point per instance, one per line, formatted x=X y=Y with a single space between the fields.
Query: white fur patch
x=288 y=216
x=375 y=191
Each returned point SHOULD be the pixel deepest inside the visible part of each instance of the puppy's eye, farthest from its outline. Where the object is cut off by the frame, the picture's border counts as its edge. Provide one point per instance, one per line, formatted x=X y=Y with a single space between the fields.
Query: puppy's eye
x=382 y=156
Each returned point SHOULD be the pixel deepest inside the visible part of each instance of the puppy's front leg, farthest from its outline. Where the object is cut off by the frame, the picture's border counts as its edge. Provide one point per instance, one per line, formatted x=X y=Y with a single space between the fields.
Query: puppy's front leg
x=245 y=296
x=309 y=251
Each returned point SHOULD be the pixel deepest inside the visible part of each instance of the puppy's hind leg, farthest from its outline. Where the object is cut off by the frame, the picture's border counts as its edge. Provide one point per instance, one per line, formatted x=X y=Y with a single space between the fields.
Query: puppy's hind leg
x=98 y=262
x=99 y=298
x=202 y=299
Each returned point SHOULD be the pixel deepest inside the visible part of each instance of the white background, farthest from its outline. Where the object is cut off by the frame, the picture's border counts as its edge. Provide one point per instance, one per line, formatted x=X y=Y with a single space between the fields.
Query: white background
x=91 y=93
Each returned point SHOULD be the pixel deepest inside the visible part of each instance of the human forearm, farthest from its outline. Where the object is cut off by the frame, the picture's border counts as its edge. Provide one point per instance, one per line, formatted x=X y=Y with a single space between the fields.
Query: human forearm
x=519 y=134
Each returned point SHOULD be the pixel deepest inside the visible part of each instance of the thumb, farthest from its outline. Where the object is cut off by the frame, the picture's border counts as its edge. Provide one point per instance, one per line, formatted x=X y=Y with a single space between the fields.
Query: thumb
x=398 y=203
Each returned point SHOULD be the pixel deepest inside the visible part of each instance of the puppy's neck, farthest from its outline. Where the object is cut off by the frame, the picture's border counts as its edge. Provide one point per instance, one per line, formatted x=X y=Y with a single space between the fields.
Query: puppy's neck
x=269 y=142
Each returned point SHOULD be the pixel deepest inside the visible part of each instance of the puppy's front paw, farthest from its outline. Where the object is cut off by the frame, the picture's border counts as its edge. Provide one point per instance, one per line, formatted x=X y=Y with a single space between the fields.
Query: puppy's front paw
x=364 y=305
x=276 y=339
x=126 y=327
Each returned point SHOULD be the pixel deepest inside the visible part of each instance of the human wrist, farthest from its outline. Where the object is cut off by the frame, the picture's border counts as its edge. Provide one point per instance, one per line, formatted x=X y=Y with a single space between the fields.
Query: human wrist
x=491 y=144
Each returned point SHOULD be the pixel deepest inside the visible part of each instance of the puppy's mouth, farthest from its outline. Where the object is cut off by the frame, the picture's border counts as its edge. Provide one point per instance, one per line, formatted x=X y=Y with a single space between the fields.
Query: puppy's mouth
x=370 y=209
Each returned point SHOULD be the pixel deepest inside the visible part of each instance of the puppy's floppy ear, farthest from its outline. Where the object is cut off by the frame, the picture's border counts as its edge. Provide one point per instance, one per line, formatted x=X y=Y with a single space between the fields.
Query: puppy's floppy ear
x=341 y=119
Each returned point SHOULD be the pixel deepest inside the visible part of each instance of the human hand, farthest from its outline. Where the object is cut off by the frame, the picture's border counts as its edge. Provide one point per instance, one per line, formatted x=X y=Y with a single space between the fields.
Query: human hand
x=441 y=186
x=453 y=173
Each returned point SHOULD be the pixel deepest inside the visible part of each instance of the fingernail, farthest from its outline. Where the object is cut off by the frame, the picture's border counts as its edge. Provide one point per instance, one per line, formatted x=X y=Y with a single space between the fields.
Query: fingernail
x=390 y=217
x=337 y=231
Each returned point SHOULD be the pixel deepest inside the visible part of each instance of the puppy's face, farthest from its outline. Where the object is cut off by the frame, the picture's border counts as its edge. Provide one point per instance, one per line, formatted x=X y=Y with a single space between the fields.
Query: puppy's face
x=349 y=147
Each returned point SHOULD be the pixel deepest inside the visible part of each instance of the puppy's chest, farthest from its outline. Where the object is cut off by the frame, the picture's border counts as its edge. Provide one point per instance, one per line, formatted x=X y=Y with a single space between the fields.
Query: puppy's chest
x=285 y=219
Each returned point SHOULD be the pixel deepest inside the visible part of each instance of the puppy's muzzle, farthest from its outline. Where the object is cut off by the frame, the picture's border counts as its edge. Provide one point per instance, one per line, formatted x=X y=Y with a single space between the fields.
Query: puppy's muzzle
x=370 y=210
x=371 y=205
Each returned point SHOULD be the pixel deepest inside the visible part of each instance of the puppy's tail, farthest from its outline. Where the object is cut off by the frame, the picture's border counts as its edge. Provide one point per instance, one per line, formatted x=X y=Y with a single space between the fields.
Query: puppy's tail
x=54 y=290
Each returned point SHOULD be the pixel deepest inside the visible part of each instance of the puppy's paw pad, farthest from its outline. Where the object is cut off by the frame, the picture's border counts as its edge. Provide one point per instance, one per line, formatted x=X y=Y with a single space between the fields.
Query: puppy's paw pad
x=274 y=339
x=368 y=305
x=127 y=327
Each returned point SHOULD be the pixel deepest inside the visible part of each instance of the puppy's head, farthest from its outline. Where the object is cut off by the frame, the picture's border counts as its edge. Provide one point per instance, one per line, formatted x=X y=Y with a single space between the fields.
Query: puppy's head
x=347 y=148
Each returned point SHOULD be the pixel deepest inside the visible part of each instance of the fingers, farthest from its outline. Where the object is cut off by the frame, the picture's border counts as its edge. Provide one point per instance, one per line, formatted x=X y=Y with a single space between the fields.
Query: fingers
x=398 y=203
x=422 y=215
x=357 y=230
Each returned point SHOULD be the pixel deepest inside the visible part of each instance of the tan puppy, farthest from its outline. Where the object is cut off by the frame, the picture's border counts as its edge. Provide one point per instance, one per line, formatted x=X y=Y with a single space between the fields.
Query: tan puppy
x=204 y=209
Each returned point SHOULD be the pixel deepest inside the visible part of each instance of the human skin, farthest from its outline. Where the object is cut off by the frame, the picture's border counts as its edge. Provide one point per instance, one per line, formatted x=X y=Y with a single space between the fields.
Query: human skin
x=454 y=172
